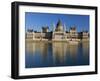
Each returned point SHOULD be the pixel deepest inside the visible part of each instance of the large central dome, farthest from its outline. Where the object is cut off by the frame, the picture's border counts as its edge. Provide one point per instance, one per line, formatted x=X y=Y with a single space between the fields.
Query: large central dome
x=59 y=26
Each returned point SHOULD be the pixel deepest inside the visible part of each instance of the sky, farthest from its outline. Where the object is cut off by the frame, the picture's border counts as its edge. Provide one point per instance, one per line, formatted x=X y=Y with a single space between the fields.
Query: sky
x=36 y=21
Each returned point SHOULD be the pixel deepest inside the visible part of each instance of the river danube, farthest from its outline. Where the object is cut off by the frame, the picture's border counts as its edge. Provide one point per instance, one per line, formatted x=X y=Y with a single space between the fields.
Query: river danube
x=46 y=54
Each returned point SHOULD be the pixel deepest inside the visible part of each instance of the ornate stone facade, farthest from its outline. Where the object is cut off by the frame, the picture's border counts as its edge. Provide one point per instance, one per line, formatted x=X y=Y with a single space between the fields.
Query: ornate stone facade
x=58 y=34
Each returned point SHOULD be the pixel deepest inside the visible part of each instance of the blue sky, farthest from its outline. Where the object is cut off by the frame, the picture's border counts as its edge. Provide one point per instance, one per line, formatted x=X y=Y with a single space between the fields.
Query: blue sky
x=35 y=21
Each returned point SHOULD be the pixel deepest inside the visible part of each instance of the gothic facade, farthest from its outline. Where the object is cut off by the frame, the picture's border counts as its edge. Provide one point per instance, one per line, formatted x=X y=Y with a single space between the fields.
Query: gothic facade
x=59 y=33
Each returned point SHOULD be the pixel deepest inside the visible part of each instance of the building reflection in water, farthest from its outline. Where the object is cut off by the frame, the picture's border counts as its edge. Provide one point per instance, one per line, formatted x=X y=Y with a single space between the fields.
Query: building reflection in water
x=44 y=54
x=85 y=47
x=73 y=51
x=59 y=52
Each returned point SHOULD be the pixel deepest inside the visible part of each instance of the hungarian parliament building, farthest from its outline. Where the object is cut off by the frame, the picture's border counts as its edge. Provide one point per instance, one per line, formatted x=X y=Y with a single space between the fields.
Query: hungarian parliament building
x=59 y=33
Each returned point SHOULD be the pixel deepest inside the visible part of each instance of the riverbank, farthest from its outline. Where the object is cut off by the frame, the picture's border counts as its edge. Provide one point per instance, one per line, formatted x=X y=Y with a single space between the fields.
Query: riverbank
x=65 y=41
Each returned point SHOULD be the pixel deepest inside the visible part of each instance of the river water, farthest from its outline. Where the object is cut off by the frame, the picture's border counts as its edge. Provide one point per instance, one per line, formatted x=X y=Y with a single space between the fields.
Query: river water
x=45 y=54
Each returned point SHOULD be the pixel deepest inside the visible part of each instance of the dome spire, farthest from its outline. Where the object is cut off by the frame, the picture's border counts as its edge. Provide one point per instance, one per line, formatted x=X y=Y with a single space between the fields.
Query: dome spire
x=59 y=26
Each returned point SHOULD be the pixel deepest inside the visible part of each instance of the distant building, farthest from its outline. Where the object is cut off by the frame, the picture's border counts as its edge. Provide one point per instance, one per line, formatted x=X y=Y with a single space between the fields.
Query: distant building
x=73 y=33
x=30 y=34
x=85 y=35
x=58 y=34
x=45 y=29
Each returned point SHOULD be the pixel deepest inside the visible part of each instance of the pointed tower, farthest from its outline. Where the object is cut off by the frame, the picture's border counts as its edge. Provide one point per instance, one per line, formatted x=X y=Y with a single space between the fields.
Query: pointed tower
x=53 y=27
x=59 y=26
x=64 y=28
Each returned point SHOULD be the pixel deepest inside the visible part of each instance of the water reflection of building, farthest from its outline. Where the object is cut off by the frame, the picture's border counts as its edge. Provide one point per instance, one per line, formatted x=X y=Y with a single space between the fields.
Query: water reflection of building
x=59 y=52
x=59 y=33
x=30 y=47
x=64 y=51
x=73 y=51
x=37 y=48
x=85 y=47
